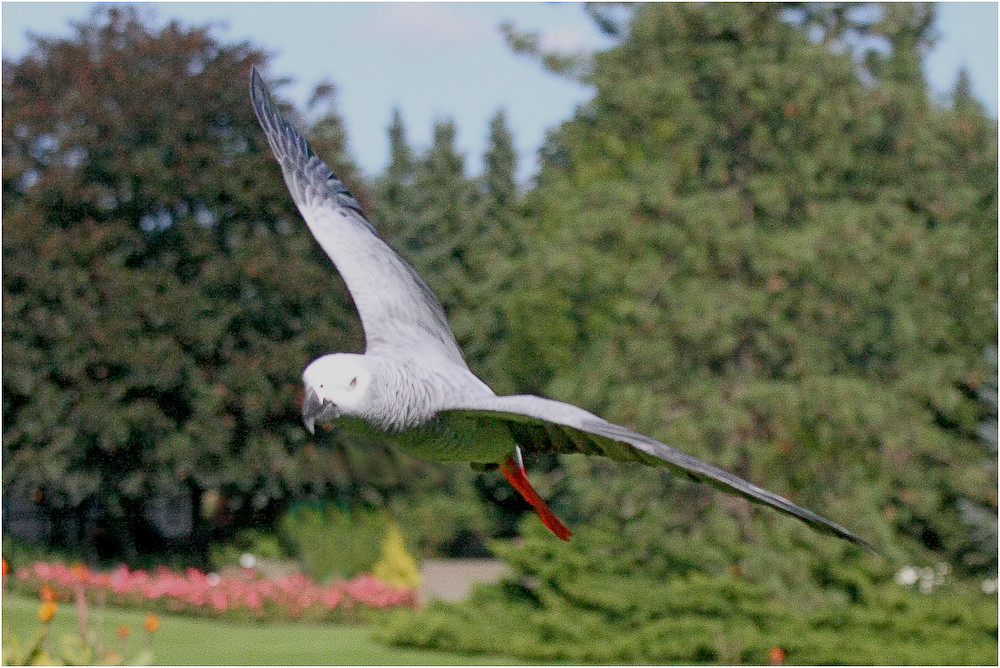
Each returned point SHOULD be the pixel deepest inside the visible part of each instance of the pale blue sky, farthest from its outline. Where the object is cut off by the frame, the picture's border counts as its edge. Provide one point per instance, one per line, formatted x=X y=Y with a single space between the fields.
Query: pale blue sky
x=448 y=60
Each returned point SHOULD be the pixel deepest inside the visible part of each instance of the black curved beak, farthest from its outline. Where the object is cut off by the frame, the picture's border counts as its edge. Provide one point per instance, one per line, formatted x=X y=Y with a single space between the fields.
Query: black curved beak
x=315 y=410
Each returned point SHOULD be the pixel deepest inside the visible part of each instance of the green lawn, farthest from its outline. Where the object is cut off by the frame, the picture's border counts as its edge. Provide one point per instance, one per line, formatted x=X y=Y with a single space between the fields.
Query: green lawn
x=191 y=641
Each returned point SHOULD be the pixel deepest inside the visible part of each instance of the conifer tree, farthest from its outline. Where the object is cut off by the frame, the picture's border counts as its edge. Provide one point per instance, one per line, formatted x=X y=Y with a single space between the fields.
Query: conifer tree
x=760 y=260
x=396 y=205
x=445 y=229
x=962 y=97
x=498 y=254
x=500 y=163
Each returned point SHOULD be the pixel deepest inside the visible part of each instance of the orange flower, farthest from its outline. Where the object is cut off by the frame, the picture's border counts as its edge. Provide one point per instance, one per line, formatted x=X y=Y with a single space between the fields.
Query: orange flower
x=47 y=610
x=777 y=656
x=79 y=572
x=6 y=568
x=124 y=630
x=48 y=594
x=152 y=623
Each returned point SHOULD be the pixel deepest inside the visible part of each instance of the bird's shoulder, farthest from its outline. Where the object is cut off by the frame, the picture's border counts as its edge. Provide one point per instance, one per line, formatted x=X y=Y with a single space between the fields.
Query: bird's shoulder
x=409 y=390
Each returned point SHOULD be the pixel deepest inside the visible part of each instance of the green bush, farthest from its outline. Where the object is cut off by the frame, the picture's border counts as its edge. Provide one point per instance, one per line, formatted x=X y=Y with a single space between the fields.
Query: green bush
x=330 y=542
x=397 y=567
x=249 y=541
x=590 y=601
x=445 y=523
x=19 y=552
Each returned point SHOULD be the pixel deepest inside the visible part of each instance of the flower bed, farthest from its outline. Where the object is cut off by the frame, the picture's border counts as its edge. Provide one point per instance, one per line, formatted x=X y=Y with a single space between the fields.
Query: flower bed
x=243 y=594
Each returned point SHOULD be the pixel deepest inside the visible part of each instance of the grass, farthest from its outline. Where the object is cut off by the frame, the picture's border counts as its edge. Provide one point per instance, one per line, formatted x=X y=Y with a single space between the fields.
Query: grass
x=188 y=641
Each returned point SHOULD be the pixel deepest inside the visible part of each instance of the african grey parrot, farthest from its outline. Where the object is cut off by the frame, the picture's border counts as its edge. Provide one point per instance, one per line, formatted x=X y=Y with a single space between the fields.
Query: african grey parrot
x=412 y=387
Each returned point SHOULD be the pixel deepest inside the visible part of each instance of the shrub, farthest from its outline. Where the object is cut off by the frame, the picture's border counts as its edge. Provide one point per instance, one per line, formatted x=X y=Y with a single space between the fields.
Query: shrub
x=397 y=567
x=589 y=601
x=330 y=542
x=249 y=541
x=452 y=521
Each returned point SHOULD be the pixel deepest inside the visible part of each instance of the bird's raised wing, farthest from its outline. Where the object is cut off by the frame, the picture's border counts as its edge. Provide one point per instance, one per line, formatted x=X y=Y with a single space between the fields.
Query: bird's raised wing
x=544 y=425
x=398 y=311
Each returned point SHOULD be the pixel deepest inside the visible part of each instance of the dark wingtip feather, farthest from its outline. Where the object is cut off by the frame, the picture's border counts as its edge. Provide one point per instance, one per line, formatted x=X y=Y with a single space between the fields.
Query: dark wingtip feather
x=280 y=135
x=263 y=105
x=258 y=93
x=294 y=153
x=835 y=529
x=860 y=542
x=707 y=473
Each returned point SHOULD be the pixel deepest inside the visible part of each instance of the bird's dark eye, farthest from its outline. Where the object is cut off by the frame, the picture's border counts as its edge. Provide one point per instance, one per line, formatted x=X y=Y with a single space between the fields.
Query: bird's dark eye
x=354 y=381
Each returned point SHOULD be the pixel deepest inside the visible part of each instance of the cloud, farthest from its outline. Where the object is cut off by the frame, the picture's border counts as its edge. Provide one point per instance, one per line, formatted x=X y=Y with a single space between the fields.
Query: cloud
x=426 y=26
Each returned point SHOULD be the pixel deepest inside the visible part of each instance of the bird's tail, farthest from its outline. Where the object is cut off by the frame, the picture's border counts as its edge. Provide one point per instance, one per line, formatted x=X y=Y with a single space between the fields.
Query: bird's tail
x=518 y=478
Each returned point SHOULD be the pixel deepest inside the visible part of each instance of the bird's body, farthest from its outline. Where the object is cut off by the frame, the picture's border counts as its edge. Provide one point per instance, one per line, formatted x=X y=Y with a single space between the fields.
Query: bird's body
x=405 y=402
x=412 y=386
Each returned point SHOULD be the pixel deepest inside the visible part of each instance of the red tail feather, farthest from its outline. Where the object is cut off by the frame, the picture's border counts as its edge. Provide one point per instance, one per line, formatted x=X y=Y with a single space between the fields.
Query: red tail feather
x=517 y=477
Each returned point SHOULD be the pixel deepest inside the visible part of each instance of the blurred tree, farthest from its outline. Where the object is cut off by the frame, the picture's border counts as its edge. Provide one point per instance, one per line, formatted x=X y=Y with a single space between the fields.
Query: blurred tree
x=496 y=255
x=445 y=227
x=328 y=137
x=602 y=599
x=751 y=253
x=395 y=205
x=500 y=163
x=154 y=325
x=962 y=98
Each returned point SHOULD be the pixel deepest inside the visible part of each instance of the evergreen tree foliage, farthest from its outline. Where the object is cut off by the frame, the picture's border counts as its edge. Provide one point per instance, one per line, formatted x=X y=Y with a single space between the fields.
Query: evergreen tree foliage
x=499 y=190
x=395 y=206
x=396 y=567
x=454 y=229
x=596 y=600
x=444 y=229
x=498 y=254
x=751 y=253
x=161 y=295
x=908 y=29
x=962 y=98
x=328 y=137
x=425 y=210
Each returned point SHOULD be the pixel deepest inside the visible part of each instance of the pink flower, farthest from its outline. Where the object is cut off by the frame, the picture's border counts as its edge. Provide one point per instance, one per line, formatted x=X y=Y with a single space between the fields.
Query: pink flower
x=331 y=597
x=210 y=593
x=219 y=601
x=252 y=599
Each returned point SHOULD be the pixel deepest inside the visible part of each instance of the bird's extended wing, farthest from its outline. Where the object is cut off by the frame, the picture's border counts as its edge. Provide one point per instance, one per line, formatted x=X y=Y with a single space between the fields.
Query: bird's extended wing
x=544 y=425
x=398 y=311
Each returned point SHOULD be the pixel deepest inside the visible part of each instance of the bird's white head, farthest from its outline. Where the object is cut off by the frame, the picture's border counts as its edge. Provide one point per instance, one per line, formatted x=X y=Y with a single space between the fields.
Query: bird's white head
x=335 y=385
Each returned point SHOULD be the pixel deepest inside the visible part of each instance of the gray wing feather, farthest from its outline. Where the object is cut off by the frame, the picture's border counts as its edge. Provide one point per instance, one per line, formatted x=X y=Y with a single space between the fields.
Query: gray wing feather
x=398 y=311
x=544 y=425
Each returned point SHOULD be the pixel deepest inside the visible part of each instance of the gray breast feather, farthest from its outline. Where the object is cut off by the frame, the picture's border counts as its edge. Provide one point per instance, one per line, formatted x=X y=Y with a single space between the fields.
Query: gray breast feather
x=399 y=312
x=544 y=425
